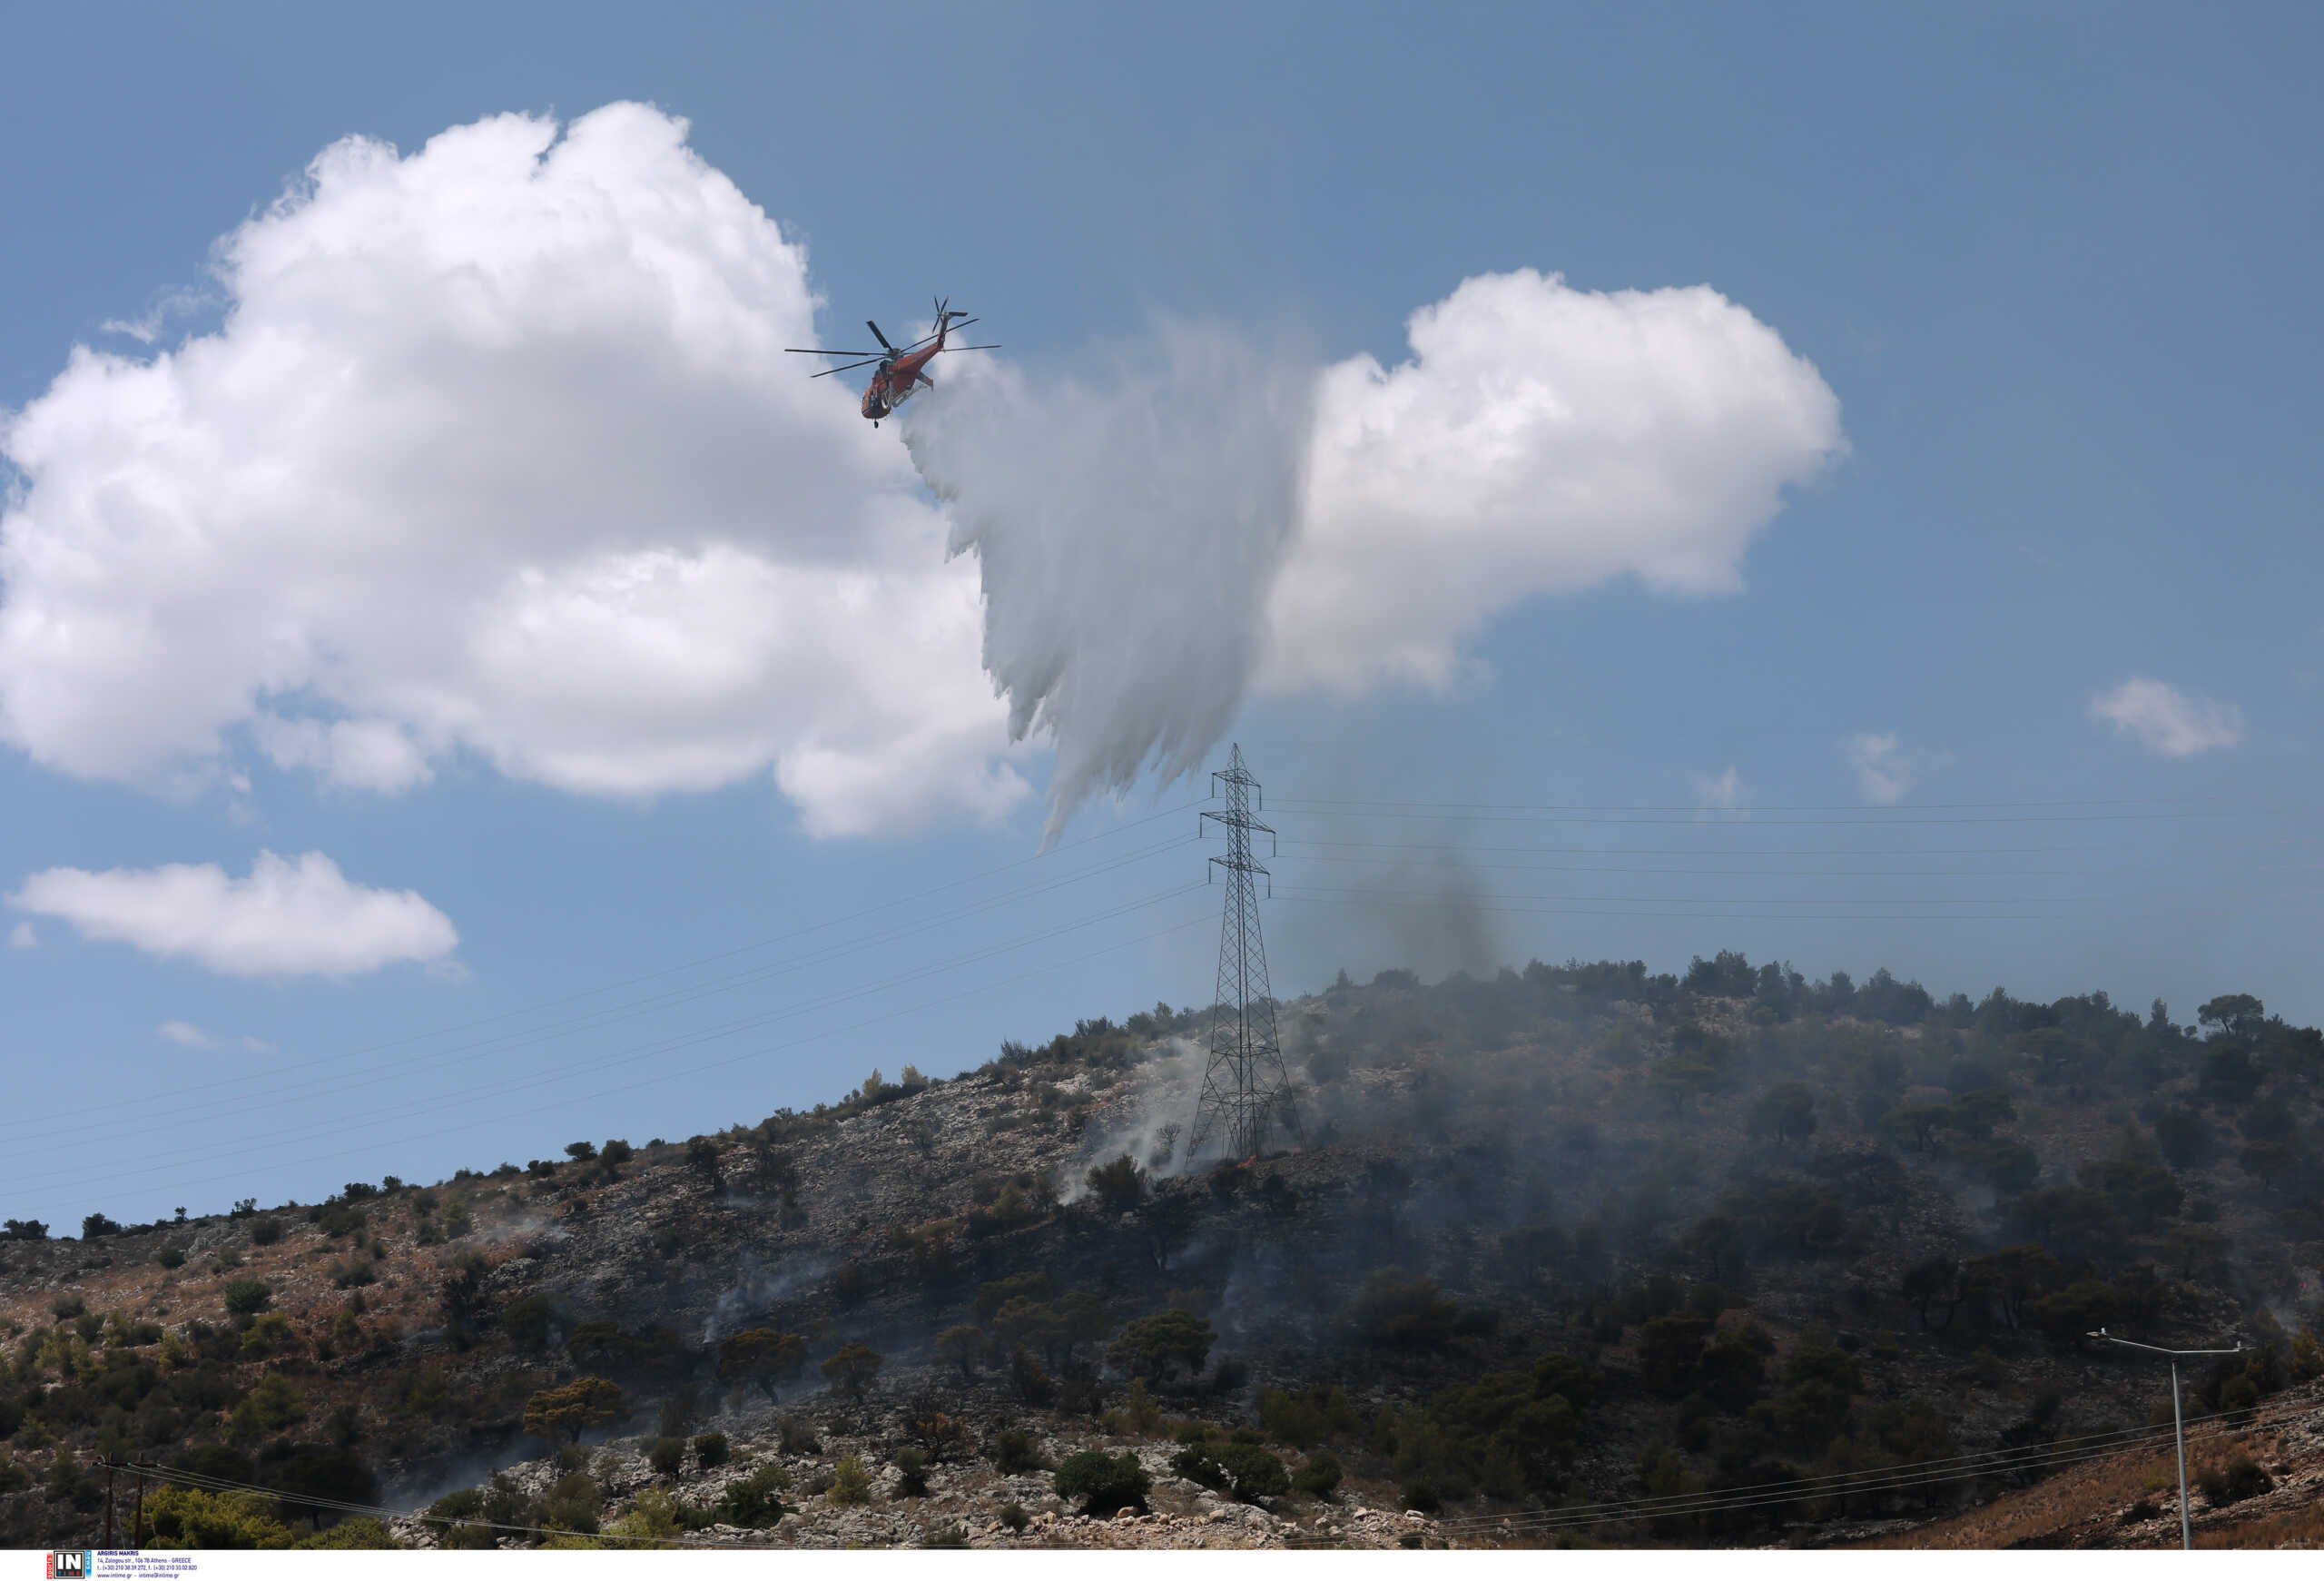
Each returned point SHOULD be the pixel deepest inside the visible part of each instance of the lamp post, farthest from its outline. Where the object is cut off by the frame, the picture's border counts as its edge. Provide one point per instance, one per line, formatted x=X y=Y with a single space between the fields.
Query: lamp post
x=2178 y=1426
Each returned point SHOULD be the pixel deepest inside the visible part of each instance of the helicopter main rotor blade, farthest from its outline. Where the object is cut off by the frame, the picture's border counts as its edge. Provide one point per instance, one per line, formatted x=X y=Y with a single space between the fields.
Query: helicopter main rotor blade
x=925 y=339
x=827 y=372
x=828 y=352
x=876 y=334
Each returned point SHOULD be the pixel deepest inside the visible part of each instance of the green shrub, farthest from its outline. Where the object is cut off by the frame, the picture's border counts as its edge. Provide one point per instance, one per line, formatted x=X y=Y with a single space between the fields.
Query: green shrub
x=529 y=1321
x=911 y=1478
x=755 y=1502
x=851 y=1483
x=571 y=1505
x=1308 y=1417
x=265 y=1231
x=1104 y=1483
x=667 y=1456
x=1015 y=1451
x=463 y=1503
x=950 y=1536
x=363 y=1531
x=1319 y=1477
x=2240 y=1480
x=710 y=1451
x=1120 y=1185
x=246 y=1298
x=68 y=1306
x=1245 y=1471
x=1155 y=1347
x=170 y=1257
x=1014 y=1517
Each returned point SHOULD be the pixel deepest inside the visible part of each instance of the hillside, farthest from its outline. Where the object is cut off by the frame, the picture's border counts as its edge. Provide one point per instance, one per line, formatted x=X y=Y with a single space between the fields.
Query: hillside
x=1806 y=1263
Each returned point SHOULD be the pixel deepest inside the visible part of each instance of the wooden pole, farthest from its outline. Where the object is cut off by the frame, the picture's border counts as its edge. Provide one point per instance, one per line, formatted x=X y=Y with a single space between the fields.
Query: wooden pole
x=108 y=1503
x=137 y=1520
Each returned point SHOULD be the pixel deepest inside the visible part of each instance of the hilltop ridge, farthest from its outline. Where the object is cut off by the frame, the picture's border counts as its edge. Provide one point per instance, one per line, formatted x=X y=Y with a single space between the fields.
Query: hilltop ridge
x=1567 y=1237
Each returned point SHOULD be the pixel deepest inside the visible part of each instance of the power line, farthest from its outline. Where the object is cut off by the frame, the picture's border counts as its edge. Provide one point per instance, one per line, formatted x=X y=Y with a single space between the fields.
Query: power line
x=663 y=1047
x=1700 y=821
x=1289 y=801
x=1321 y=896
x=710 y=1065
x=608 y=1015
x=273 y=1072
x=1841 y=1485
x=1828 y=851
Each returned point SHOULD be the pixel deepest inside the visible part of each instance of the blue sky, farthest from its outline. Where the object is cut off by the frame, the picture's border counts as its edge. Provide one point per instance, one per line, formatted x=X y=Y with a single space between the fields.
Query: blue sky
x=2055 y=270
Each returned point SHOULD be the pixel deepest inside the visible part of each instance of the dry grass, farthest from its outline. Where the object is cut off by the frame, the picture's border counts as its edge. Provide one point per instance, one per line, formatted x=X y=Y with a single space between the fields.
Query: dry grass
x=2082 y=1503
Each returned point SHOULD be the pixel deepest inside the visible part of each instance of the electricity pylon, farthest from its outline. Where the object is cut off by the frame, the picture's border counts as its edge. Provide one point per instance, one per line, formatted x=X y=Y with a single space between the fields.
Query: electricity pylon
x=1244 y=1089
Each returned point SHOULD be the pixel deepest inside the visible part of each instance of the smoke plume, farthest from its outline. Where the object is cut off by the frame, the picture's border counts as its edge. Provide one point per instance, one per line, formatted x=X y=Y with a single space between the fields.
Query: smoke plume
x=1207 y=517
x=1129 y=534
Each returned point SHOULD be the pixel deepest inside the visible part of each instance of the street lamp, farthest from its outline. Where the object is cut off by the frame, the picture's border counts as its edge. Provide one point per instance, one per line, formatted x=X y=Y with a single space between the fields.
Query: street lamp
x=2178 y=1429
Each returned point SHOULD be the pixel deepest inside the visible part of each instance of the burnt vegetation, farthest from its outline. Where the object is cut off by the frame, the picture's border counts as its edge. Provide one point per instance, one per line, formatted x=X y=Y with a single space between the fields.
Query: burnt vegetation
x=1577 y=1233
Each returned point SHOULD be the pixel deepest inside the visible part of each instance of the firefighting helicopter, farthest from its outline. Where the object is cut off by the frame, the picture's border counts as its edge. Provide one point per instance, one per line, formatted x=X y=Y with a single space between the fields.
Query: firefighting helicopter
x=901 y=370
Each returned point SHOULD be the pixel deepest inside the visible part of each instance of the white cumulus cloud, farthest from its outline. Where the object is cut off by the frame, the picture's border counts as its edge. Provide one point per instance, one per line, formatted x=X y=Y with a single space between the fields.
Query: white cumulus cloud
x=289 y=917
x=23 y=936
x=1886 y=770
x=1723 y=789
x=2168 y=720
x=186 y=1035
x=495 y=456
x=496 y=452
x=1541 y=439
x=1152 y=544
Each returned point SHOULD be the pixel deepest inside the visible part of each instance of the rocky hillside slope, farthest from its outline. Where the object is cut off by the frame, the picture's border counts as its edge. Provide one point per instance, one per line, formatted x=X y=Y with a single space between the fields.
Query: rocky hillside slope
x=1742 y=1247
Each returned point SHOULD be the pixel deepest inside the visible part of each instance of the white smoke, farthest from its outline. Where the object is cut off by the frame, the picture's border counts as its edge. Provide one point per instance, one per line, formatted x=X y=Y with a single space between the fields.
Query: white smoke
x=495 y=456
x=1210 y=517
x=1128 y=536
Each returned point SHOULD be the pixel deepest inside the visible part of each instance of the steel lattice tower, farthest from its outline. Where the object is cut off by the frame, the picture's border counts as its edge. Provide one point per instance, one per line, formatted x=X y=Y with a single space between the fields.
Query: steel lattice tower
x=1245 y=1090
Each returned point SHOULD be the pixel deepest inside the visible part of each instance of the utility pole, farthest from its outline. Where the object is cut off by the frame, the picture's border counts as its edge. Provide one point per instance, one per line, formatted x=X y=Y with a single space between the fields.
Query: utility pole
x=2178 y=1424
x=1244 y=1088
x=137 y=1518
x=108 y=1465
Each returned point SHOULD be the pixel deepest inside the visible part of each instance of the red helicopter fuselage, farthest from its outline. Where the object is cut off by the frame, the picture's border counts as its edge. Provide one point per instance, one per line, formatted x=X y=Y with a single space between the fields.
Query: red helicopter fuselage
x=893 y=383
x=900 y=372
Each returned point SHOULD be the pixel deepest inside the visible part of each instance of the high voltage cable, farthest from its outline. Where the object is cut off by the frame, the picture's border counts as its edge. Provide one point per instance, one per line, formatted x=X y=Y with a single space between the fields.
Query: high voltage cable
x=631 y=1055
x=611 y=1013
x=1467 y=864
x=2067 y=1452
x=1843 y=1485
x=1700 y=821
x=671 y=971
x=1722 y=899
x=1831 y=851
x=1321 y=897
x=1693 y=872
x=716 y=1065
x=1286 y=802
x=1838 y=1485
x=202 y=1482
